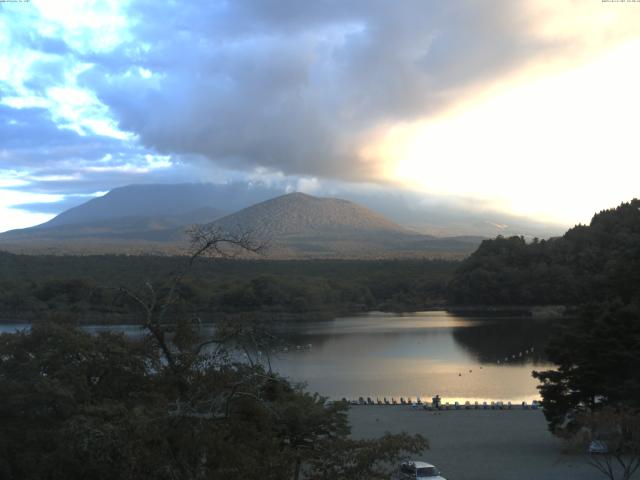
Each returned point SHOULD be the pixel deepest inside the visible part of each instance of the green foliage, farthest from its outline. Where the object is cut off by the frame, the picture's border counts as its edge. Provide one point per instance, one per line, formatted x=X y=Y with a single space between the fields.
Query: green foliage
x=598 y=360
x=88 y=287
x=68 y=402
x=596 y=262
x=595 y=268
x=363 y=459
x=76 y=406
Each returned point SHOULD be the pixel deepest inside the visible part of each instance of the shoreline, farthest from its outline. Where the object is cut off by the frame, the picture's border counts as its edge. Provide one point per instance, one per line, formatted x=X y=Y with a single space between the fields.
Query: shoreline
x=542 y=312
x=106 y=319
x=533 y=311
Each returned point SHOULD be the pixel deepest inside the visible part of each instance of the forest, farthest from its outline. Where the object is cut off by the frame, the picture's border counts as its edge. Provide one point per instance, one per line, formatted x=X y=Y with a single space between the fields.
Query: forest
x=595 y=269
x=595 y=262
x=89 y=287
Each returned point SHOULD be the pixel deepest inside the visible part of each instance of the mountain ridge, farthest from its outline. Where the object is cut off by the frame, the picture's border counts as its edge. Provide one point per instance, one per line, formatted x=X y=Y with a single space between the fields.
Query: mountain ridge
x=406 y=208
x=153 y=200
x=294 y=225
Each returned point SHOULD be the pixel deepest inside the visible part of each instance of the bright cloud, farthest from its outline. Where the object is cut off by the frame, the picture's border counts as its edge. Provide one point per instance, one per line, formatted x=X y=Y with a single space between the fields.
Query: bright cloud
x=561 y=147
x=19 y=218
x=490 y=102
x=86 y=26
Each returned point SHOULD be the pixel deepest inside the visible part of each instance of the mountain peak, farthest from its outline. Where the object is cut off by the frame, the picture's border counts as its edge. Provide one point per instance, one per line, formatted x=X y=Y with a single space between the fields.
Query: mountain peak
x=297 y=195
x=300 y=196
x=299 y=213
x=143 y=218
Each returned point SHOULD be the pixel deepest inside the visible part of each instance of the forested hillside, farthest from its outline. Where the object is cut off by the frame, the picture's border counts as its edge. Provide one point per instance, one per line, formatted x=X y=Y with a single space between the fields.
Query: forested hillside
x=588 y=263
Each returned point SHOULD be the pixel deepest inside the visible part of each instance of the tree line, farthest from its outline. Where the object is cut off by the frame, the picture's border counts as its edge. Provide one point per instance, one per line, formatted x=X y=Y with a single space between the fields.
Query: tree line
x=594 y=390
x=87 y=287
x=595 y=262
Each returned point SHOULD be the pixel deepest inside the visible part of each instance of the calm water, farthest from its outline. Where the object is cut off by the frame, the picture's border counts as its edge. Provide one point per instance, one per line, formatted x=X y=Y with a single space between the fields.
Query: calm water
x=418 y=354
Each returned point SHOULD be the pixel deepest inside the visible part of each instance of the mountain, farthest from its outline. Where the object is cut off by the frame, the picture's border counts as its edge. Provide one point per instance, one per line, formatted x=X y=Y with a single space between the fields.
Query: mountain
x=135 y=219
x=165 y=228
x=411 y=209
x=298 y=213
x=157 y=201
x=293 y=225
x=297 y=224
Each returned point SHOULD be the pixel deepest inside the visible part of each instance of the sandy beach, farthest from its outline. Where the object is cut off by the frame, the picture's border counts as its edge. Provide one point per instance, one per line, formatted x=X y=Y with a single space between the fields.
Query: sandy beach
x=479 y=444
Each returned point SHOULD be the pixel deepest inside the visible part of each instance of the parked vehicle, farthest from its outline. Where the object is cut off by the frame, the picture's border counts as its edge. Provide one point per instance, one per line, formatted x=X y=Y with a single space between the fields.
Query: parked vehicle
x=598 y=446
x=416 y=470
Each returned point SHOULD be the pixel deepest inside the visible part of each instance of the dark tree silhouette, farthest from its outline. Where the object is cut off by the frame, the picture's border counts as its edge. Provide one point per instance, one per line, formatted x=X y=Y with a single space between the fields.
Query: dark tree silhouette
x=174 y=405
x=597 y=360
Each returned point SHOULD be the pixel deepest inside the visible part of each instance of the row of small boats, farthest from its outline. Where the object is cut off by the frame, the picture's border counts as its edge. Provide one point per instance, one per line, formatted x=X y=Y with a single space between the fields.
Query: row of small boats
x=437 y=405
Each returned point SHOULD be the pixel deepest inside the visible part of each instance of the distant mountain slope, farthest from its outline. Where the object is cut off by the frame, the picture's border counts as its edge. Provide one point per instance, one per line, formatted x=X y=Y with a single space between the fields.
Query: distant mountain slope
x=403 y=207
x=293 y=225
x=167 y=228
x=298 y=213
x=302 y=225
x=161 y=201
x=406 y=208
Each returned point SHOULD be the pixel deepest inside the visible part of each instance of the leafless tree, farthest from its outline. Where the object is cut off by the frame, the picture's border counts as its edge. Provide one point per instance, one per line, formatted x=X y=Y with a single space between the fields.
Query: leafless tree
x=205 y=241
x=617 y=429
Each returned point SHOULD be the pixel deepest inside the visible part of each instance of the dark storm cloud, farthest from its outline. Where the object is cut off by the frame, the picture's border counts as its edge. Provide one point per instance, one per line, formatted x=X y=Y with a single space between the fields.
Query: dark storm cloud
x=298 y=86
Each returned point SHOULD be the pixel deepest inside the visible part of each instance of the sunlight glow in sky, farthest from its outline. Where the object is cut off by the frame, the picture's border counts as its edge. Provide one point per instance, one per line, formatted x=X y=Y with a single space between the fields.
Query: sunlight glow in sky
x=561 y=147
x=522 y=107
x=18 y=218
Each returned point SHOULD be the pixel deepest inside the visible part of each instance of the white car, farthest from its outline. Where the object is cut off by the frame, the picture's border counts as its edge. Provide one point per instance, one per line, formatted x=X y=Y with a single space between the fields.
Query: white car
x=598 y=447
x=415 y=470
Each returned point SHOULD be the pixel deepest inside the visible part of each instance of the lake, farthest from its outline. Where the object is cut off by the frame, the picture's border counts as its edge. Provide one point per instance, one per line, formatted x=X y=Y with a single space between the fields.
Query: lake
x=415 y=354
x=418 y=354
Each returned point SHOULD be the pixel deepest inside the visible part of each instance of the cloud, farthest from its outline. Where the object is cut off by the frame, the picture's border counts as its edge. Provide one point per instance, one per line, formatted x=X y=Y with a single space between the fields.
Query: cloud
x=95 y=95
x=55 y=207
x=303 y=88
x=39 y=156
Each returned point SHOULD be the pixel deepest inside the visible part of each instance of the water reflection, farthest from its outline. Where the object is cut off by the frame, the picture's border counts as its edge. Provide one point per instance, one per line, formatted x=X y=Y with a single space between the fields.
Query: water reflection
x=510 y=340
x=418 y=354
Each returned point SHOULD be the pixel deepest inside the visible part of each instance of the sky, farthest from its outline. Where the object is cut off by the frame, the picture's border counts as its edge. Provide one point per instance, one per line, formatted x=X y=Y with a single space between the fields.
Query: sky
x=528 y=108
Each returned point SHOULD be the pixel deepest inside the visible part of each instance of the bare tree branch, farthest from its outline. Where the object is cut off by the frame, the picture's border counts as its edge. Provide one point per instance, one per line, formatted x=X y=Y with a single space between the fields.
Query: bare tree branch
x=205 y=240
